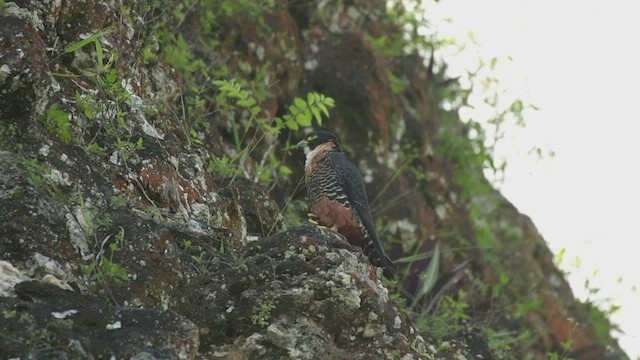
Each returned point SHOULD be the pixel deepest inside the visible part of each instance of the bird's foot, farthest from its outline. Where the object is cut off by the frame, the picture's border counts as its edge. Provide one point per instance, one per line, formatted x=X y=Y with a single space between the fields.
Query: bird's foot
x=313 y=219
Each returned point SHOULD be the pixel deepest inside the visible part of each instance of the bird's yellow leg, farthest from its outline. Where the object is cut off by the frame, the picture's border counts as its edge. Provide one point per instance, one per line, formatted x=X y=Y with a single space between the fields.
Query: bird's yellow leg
x=313 y=219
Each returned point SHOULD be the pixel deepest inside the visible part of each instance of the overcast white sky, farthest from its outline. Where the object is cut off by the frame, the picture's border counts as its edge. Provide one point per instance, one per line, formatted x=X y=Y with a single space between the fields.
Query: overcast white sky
x=579 y=63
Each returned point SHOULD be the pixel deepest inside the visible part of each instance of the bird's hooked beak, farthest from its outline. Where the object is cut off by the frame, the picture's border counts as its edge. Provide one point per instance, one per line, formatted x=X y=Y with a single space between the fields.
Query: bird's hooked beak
x=303 y=145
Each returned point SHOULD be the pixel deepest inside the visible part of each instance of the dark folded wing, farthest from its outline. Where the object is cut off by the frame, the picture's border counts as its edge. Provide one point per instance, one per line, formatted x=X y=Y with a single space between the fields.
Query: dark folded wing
x=353 y=185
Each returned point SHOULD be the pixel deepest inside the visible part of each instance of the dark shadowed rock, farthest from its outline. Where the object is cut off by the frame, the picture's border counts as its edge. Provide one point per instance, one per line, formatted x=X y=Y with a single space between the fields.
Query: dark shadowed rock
x=24 y=65
x=46 y=322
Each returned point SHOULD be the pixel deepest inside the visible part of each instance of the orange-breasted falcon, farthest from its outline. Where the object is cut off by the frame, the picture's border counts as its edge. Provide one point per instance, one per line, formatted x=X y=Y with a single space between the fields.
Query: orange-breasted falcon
x=338 y=198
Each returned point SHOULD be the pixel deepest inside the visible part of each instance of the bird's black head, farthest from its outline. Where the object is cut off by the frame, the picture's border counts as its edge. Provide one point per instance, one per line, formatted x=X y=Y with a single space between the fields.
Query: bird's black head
x=317 y=138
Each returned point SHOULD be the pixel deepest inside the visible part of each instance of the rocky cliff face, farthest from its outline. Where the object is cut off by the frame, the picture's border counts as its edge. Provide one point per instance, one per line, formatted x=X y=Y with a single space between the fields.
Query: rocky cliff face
x=147 y=213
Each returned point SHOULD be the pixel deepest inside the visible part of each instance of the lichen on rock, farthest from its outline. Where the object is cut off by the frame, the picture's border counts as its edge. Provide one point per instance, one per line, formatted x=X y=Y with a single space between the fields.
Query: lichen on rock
x=323 y=300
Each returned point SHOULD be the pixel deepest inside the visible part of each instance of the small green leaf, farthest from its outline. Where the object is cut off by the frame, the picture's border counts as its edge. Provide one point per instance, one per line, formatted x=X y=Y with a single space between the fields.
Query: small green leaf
x=429 y=277
x=265 y=177
x=88 y=269
x=304 y=119
x=323 y=108
x=517 y=106
x=112 y=77
x=246 y=103
x=316 y=114
x=291 y=124
x=99 y=54
x=300 y=104
x=285 y=170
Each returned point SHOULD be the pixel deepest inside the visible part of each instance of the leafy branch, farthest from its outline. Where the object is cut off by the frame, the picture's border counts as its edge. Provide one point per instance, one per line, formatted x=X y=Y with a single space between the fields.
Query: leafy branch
x=301 y=113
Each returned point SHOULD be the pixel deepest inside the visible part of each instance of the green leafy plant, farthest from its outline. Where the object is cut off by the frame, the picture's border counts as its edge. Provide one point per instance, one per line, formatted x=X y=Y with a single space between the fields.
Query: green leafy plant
x=27 y=318
x=9 y=314
x=428 y=278
x=128 y=148
x=262 y=314
x=102 y=69
x=102 y=111
x=501 y=341
x=91 y=218
x=103 y=269
x=448 y=317
x=35 y=171
x=599 y=319
x=58 y=122
x=566 y=345
x=7 y=133
x=301 y=114
x=223 y=166
x=117 y=201
x=203 y=256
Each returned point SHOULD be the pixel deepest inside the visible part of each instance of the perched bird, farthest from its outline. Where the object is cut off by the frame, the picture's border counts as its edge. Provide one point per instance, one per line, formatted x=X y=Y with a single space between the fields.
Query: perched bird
x=338 y=198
